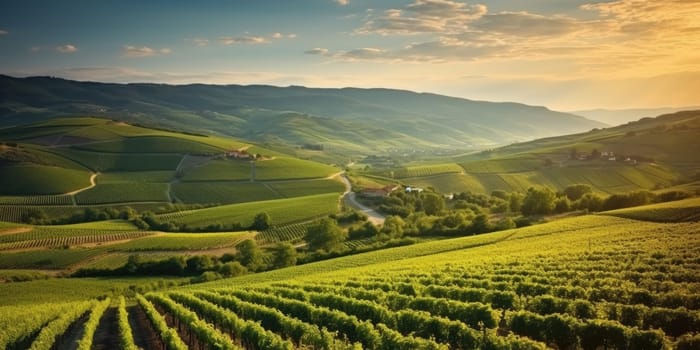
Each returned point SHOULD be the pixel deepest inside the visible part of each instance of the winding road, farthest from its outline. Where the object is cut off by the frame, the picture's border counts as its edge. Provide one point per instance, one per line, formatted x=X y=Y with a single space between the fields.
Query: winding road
x=350 y=198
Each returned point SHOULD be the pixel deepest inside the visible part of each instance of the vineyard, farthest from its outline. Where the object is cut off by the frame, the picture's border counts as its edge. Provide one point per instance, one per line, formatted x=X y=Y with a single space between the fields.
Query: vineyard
x=288 y=233
x=584 y=283
x=124 y=192
x=37 y=200
x=69 y=241
x=279 y=210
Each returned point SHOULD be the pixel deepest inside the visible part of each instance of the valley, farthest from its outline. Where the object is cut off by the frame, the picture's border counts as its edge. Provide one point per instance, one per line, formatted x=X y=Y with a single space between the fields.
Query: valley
x=196 y=239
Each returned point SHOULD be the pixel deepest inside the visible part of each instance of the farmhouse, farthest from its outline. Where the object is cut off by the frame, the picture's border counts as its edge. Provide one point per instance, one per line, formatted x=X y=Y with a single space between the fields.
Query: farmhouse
x=238 y=154
x=378 y=192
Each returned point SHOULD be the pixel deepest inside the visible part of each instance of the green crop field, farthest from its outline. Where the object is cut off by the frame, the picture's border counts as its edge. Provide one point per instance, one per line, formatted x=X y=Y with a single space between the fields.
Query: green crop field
x=604 y=178
x=419 y=171
x=183 y=241
x=220 y=170
x=39 y=179
x=282 y=168
x=98 y=161
x=151 y=144
x=595 y=277
x=306 y=188
x=135 y=176
x=124 y=192
x=46 y=258
x=683 y=210
x=37 y=200
x=222 y=192
x=281 y=211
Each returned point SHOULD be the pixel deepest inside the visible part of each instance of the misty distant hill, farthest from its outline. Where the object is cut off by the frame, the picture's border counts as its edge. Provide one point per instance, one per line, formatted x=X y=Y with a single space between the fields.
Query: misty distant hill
x=342 y=121
x=621 y=116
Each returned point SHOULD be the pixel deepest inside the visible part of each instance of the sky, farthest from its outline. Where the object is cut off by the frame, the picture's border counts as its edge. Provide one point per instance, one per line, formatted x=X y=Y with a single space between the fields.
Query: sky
x=563 y=54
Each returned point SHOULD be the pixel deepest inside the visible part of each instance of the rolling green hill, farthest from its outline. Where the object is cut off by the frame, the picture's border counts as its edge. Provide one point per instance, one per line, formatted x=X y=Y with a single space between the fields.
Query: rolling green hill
x=652 y=153
x=341 y=121
x=56 y=168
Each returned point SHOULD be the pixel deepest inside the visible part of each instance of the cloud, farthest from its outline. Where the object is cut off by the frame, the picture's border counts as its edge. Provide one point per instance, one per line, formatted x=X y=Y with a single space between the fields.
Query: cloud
x=67 y=48
x=199 y=41
x=143 y=51
x=279 y=35
x=4 y=32
x=526 y=24
x=230 y=40
x=342 y=2
x=423 y=16
x=317 y=51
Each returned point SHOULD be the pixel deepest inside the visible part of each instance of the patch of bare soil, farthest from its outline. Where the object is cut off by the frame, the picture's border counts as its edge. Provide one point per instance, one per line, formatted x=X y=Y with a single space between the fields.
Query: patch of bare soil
x=69 y=340
x=107 y=333
x=145 y=337
x=11 y=231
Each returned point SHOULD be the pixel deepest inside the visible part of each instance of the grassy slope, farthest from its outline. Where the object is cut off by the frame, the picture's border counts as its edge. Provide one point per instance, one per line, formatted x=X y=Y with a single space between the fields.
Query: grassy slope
x=683 y=210
x=33 y=179
x=571 y=234
x=670 y=141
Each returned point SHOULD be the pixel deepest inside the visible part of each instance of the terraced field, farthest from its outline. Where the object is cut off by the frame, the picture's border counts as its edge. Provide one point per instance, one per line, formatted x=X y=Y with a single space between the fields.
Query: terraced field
x=604 y=178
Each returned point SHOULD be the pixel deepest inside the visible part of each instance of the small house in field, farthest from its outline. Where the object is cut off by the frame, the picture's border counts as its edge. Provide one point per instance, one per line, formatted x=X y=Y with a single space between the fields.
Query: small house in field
x=238 y=154
x=378 y=192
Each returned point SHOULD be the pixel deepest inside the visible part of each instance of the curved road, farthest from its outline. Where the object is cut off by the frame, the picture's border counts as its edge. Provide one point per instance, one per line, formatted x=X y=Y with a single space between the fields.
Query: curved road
x=351 y=199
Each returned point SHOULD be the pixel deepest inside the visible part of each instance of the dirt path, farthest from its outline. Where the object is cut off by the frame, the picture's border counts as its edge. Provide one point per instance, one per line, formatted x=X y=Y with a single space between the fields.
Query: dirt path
x=145 y=336
x=351 y=198
x=12 y=231
x=107 y=333
x=92 y=184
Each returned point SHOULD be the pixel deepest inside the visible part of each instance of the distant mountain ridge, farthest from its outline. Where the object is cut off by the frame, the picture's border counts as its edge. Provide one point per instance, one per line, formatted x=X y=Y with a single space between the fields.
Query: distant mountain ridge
x=342 y=121
x=621 y=116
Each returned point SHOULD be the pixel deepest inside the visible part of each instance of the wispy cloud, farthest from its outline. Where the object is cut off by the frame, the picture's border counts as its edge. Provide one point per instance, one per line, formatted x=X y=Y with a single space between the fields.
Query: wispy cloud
x=4 y=32
x=342 y=2
x=621 y=37
x=67 y=48
x=231 y=40
x=199 y=41
x=143 y=51
x=317 y=51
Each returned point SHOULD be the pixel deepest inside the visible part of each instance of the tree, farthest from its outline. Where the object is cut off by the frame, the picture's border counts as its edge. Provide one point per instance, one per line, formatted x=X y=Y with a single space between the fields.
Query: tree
x=393 y=226
x=433 y=203
x=325 y=234
x=515 y=202
x=364 y=230
x=575 y=192
x=199 y=263
x=262 y=221
x=232 y=269
x=284 y=254
x=480 y=224
x=250 y=255
x=538 y=201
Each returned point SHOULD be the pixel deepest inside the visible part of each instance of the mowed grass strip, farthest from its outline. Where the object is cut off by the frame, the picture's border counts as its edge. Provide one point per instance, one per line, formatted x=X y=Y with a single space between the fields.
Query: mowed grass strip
x=281 y=211
x=151 y=144
x=100 y=161
x=40 y=179
x=124 y=192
